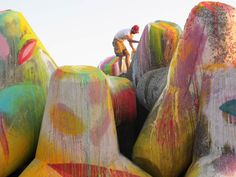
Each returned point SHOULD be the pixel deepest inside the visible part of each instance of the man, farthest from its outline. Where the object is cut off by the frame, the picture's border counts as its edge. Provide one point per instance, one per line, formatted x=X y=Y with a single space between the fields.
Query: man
x=119 y=47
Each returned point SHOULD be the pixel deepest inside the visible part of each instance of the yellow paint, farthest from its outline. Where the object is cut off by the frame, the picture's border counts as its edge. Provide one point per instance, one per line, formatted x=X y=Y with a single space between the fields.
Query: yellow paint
x=54 y=153
x=164 y=146
x=215 y=66
x=129 y=168
x=26 y=38
x=38 y=168
x=11 y=26
x=24 y=146
x=193 y=171
x=70 y=69
x=65 y=121
x=26 y=32
x=168 y=160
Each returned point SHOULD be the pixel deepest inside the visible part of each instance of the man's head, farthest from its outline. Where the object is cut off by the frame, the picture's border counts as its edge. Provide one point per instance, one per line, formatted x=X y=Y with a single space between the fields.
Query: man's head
x=135 y=29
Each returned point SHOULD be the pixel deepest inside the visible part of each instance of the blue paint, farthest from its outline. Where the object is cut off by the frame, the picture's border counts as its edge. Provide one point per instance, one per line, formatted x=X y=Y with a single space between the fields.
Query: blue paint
x=229 y=107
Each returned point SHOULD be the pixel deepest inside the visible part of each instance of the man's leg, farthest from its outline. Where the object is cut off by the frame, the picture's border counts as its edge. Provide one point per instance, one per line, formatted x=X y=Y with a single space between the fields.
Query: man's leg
x=127 y=60
x=120 y=63
x=118 y=49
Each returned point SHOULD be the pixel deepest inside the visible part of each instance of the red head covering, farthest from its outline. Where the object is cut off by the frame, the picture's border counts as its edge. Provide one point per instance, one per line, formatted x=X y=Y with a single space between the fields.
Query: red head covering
x=135 y=29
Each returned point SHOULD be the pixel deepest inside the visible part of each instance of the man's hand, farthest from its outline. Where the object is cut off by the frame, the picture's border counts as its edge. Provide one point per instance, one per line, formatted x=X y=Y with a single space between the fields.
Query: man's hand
x=133 y=50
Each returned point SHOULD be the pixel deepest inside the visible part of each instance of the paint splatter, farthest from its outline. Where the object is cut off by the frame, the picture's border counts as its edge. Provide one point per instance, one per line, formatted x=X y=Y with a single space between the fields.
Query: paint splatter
x=4 y=47
x=82 y=170
x=27 y=51
x=64 y=120
x=100 y=129
x=229 y=107
x=225 y=165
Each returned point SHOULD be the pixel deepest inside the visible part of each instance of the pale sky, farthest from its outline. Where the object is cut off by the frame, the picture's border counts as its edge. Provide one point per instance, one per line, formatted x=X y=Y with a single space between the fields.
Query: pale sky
x=80 y=32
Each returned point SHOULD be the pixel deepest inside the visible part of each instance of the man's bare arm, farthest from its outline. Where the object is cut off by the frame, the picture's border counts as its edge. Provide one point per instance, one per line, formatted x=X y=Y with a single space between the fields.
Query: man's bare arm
x=131 y=45
x=134 y=41
x=131 y=41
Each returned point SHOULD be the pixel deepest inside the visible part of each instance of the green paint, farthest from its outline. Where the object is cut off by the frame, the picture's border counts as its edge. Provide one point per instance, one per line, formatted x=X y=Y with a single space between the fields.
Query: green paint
x=158 y=43
x=155 y=42
x=35 y=71
x=23 y=106
x=229 y=107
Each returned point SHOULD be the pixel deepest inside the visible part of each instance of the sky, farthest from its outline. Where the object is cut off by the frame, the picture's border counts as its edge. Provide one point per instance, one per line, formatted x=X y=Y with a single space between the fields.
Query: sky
x=80 y=32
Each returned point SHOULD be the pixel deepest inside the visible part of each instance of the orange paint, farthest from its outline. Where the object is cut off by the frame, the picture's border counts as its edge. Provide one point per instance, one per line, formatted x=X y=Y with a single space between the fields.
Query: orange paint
x=64 y=120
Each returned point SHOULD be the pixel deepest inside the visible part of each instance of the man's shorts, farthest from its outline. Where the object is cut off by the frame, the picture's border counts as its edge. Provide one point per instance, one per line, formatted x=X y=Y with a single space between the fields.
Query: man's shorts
x=119 y=48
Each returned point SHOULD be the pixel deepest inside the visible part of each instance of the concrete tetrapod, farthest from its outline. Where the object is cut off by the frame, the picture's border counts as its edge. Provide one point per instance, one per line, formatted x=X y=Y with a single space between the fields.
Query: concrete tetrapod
x=215 y=143
x=205 y=51
x=25 y=69
x=150 y=86
x=123 y=99
x=78 y=135
x=125 y=112
x=156 y=48
x=110 y=66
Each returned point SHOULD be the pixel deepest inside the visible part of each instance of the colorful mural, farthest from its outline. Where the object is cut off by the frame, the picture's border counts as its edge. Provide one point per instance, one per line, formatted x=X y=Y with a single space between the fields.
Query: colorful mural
x=189 y=131
x=110 y=66
x=123 y=99
x=200 y=82
x=156 y=48
x=78 y=134
x=215 y=143
x=25 y=69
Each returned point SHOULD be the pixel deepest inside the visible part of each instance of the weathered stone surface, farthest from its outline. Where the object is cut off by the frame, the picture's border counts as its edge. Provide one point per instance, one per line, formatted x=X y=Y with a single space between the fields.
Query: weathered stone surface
x=110 y=66
x=200 y=80
x=123 y=99
x=215 y=143
x=25 y=69
x=150 y=86
x=78 y=134
x=156 y=48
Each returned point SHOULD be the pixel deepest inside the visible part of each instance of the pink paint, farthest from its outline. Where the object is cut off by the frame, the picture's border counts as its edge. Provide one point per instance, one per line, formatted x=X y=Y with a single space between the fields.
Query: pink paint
x=27 y=51
x=190 y=54
x=226 y=165
x=98 y=131
x=97 y=91
x=4 y=48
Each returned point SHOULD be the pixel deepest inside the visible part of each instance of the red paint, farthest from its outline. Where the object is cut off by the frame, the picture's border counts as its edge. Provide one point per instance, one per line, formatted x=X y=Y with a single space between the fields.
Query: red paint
x=27 y=51
x=166 y=131
x=3 y=138
x=83 y=170
x=58 y=74
x=97 y=91
x=124 y=105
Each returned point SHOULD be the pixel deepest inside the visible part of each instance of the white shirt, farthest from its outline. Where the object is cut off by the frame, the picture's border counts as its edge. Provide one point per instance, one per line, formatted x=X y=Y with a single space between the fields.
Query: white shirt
x=121 y=35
